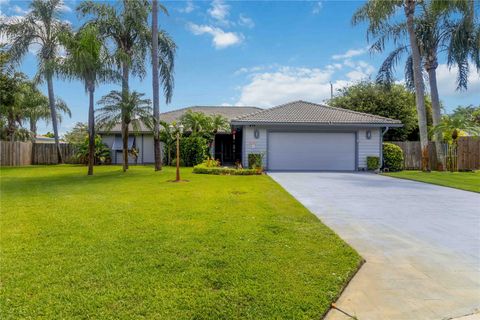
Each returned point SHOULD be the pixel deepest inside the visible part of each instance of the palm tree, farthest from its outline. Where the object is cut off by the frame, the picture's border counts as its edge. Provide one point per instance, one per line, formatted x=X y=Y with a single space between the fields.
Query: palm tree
x=167 y=137
x=436 y=32
x=452 y=127
x=41 y=26
x=195 y=122
x=87 y=60
x=132 y=111
x=126 y=26
x=378 y=14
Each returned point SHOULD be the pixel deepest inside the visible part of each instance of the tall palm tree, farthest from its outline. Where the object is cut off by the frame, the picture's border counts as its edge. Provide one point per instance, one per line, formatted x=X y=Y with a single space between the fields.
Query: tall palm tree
x=41 y=26
x=195 y=122
x=437 y=30
x=133 y=111
x=125 y=24
x=87 y=60
x=378 y=14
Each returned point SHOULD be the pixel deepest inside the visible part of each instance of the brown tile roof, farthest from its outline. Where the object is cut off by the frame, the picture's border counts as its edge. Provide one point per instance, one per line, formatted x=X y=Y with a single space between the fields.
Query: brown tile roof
x=298 y=112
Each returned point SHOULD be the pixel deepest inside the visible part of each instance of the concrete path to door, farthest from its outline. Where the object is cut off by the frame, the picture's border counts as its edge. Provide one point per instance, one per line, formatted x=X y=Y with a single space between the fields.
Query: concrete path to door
x=421 y=243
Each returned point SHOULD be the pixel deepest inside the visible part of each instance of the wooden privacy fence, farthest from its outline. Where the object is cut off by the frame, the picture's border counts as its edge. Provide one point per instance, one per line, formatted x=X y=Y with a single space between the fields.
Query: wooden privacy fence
x=465 y=155
x=26 y=153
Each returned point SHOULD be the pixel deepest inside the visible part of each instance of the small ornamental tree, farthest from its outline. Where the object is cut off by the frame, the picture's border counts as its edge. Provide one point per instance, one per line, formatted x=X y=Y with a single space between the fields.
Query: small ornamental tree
x=392 y=157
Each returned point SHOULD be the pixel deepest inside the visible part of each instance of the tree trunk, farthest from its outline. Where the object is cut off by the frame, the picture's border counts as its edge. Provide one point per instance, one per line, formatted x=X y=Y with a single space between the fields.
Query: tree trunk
x=33 y=127
x=125 y=92
x=156 y=99
x=418 y=80
x=436 y=111
x=91 y=130
x=53 y=113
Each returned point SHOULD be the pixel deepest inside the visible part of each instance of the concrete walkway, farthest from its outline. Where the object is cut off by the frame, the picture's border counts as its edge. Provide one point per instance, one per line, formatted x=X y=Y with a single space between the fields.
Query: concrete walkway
x=421 y=243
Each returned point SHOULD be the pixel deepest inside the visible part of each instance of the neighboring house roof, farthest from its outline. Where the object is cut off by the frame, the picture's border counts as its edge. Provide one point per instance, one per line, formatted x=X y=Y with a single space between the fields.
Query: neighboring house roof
x=229 y=112
x=302 y=112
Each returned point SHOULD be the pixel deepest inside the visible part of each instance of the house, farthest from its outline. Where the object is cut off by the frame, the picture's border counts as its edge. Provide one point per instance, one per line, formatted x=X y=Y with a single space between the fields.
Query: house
x=296 y=136
x=227 y=148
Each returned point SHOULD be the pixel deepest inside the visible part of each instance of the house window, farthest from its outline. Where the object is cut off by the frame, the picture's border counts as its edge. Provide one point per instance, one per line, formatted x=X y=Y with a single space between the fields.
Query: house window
x=118 y=143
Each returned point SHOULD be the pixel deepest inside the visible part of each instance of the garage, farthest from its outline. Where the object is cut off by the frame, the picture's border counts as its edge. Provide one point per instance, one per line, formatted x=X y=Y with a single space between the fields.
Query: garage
x=311 y=151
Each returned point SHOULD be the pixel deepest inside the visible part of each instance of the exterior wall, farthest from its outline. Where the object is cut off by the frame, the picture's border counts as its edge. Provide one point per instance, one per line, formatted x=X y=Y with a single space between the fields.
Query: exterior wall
x=253 y=145
x=368 y=147
x=144 y=144
x=148 y=149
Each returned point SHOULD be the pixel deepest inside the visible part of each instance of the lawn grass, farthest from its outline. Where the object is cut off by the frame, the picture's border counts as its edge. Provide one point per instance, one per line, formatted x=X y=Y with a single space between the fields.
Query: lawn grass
x=129 y=246
x=469 y=181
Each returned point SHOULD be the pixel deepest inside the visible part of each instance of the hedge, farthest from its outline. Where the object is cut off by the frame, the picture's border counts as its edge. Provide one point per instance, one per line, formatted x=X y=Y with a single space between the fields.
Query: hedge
x=203 y=169
x=373 y=163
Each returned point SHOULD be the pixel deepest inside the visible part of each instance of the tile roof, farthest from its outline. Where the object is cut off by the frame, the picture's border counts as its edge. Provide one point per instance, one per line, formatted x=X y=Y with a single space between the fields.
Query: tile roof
x=229 y=112
x=298 y=112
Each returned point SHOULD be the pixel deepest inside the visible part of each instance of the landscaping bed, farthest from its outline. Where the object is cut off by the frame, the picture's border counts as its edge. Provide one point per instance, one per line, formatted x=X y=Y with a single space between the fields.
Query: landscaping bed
x=134 y=245
x=203 y=169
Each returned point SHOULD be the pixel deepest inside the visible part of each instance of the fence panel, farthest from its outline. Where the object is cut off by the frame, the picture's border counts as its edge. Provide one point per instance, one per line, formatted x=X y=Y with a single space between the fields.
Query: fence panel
x=15 y=153
x=464 y=156
x=26 y=153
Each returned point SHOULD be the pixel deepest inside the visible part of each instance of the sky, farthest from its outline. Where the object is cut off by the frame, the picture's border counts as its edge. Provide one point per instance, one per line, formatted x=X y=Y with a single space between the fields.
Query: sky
x=252 y=53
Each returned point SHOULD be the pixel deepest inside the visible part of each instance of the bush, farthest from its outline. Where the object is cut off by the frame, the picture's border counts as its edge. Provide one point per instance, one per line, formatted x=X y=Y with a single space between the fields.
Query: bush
x=255 y=160
x=193 y=150
x=102 y=152
x=373 y=163
x=203 y=169
x=392 y=157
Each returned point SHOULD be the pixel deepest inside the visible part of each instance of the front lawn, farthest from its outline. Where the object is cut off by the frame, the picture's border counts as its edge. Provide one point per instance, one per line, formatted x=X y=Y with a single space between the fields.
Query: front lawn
x=125 y=246
x=469 y=181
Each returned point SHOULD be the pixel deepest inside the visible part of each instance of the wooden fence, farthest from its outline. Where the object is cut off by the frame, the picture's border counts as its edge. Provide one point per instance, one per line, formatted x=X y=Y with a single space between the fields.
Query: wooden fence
x=26 y=153
x=464 y=156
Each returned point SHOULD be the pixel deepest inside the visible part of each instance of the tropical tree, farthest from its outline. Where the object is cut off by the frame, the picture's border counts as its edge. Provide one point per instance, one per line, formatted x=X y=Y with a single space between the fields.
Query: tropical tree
x=87 y=60
x=438 y=30
x=132 y=111
x=379 y=15
x=195 y=122
x=167 y=136
x=452 y=127
x=41 y=26
x=125 y=25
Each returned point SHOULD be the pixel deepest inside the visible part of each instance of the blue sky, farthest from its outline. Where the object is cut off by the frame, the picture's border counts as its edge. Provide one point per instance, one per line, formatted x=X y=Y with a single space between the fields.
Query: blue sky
x=253 y=53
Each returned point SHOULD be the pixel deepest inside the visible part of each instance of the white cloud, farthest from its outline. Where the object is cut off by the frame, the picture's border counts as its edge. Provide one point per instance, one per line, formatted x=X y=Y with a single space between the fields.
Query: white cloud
x=350 y=54
x=273 y=85
x=219 y=11
x=245 y=21
x=188 y=8
x=317 y=7
x=65 y=8
x=221 y=39
x=18 y=10
x=446 y=81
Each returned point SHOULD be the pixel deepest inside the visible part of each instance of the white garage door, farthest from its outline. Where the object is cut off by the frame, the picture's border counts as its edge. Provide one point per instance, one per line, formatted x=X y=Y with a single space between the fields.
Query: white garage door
x=311 y=151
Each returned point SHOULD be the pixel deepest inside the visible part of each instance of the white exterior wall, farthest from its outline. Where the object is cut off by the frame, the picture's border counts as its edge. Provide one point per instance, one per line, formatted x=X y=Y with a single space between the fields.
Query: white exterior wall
x=145 y=149
x=252 y=145
x=148 y=149
x=368 y=147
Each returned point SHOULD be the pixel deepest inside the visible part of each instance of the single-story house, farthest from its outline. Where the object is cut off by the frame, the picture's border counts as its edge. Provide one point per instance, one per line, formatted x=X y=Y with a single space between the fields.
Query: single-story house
x=296 y=136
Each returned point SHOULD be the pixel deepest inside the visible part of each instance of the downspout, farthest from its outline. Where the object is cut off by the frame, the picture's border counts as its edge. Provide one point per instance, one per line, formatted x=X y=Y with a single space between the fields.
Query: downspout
x=381 y=144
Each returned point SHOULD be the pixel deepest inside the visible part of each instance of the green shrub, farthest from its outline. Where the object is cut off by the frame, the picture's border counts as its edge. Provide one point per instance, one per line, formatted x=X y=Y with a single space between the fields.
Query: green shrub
x=392 y=157
x=373 y=163
x=255 y=160
x=193 y=150
x=203 y=169
x=102 y=152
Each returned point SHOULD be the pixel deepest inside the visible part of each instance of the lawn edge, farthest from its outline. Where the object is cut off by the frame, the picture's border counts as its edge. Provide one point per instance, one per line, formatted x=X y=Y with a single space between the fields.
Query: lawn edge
x=433 y=183
x=345 y=285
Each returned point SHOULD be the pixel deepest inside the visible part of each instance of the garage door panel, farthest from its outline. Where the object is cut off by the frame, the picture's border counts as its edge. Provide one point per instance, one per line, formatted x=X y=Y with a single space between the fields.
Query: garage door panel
x=311 y=151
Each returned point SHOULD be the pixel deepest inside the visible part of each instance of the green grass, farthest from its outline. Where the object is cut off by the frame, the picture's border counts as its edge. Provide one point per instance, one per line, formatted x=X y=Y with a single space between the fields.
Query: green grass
x=469 y=181
x=129 y=246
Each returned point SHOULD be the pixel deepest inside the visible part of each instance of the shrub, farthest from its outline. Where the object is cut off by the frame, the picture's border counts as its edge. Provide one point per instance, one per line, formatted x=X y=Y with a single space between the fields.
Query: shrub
x=102 y=151
x=193 y=150
x=255 y=160
x=373 y=163
x=392 y=157
x=203 y=169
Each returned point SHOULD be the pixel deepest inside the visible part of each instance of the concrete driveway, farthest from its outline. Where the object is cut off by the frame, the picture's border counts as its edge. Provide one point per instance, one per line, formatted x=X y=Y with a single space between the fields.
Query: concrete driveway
x=421 y=243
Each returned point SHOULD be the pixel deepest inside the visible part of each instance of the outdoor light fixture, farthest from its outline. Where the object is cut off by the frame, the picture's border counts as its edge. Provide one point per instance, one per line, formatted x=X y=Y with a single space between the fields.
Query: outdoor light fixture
x=369 y=134
x=256 y=134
